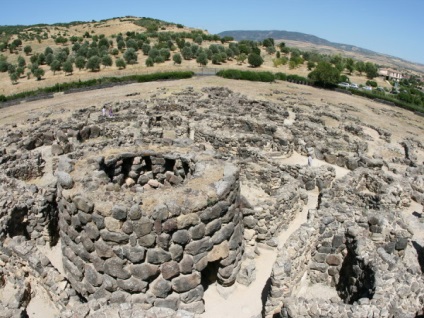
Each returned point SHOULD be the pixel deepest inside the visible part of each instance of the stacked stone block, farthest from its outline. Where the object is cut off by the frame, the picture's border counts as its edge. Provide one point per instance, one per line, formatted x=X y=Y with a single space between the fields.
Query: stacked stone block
x=158 y=247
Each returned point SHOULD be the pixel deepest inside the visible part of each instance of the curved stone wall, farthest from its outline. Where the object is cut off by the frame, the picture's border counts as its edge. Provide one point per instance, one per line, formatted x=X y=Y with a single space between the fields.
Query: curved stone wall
x=151 y=227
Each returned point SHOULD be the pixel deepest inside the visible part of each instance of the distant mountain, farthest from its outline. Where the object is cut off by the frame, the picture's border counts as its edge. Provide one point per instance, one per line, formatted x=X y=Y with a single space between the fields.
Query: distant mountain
x=311 y=42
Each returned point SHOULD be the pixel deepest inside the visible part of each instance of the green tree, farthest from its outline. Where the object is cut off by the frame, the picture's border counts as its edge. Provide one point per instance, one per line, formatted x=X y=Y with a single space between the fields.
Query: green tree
x=14 y=77
x=153 y=53
x=187 y=53
x=198 y=39
x=48 y=50
x=55 y=66
x=93 y=63
x=255 y=60
x=350 y=65
x=3 y=46
x=107 y=60
x=241 y=58
x=360 y=67
x=268 y=42
x=271 y=50
x=325 y=75
x=28 y=49
x=41 y=60
x=115 y=52
x=4 y=65
x=146 y=48
x=177 y=58
x=120 y=63
x=371 y=70
x=131 y=43
x=80 y=62
x=130 y=56
x=310 y=65
x=165 y=53
x=149 y=62
x=21 y=61
x=202 y=59
x=38 y=73
x=68 y=68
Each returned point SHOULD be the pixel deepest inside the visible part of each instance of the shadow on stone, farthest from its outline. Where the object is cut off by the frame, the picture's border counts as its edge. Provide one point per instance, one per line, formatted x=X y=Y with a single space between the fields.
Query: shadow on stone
x=420 y=252
x=210 y=274
x=356 y=279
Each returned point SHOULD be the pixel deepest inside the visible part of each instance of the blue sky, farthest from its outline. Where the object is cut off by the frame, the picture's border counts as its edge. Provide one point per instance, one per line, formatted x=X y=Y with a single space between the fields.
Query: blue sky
x=393 y=27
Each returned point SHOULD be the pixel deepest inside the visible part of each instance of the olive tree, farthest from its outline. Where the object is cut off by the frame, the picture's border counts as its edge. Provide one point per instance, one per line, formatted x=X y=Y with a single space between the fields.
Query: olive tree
x=255 y=60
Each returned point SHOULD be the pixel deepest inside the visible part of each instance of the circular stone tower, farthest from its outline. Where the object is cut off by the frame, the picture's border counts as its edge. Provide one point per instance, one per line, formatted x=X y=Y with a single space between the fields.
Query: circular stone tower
x=152 y=226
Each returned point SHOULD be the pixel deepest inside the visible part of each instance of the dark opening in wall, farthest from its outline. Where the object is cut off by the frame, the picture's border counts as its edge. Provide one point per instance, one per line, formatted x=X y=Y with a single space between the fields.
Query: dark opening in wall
x=356 y=279
x=17 y=224
x=53 y=225
x=126 y=166
x=210 y=274
x=169 y=164
x=148 y=162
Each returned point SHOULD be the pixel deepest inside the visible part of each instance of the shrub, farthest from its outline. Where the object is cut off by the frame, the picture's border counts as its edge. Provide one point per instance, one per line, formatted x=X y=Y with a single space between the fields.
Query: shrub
x=371 y=83
x=120 y=63
x=177 y=58
x=255 y=60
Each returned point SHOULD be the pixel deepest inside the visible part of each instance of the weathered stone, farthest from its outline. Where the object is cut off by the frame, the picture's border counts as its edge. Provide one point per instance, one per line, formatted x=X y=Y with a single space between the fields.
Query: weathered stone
x=132 y=285
x=200 y=246
x=181 y=237
x=119 y=212
x=103 y=249
x=218 y=252
x=65 y=180
x=158 y=256
x=176 y=252
x=142 y=227
x=148 y=240
x=170 y=269
x=185 y=283
x=193 y=295
x=198 y=231
x=212 y=227
x=115 y=267
x=117 y=237
x=186 y=220
x=83 y=204
x=146 y=272
x=160 y=287
x=333 y=260
x=223 y=234
x=92 y=276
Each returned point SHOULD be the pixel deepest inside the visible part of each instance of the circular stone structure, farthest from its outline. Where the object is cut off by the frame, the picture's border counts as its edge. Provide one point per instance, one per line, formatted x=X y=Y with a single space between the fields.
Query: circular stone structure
x=153 y=226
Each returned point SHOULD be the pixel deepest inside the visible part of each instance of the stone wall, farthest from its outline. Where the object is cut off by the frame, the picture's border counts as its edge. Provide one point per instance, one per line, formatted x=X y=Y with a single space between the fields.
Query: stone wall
x=153 y=241
x=361 y=248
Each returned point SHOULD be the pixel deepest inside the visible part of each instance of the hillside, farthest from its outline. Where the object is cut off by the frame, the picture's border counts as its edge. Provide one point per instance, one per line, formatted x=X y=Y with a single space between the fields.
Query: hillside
x=46 y=56
x=311 y=42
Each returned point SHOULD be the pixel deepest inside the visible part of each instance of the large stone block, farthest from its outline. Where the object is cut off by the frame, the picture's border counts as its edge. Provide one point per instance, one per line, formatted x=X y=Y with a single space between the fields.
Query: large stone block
x=146 y=272
x=158 y=256
x=115 y=267
x=170 y=270
x=132 y=285
x=223 y=234
x=160 y=287
x=184 y=283
x=142 y=227
x=181 y=237
x=200 y=246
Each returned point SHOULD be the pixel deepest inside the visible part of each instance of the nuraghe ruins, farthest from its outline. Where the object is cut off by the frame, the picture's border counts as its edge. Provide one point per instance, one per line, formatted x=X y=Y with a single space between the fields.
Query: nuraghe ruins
x=180 y=192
